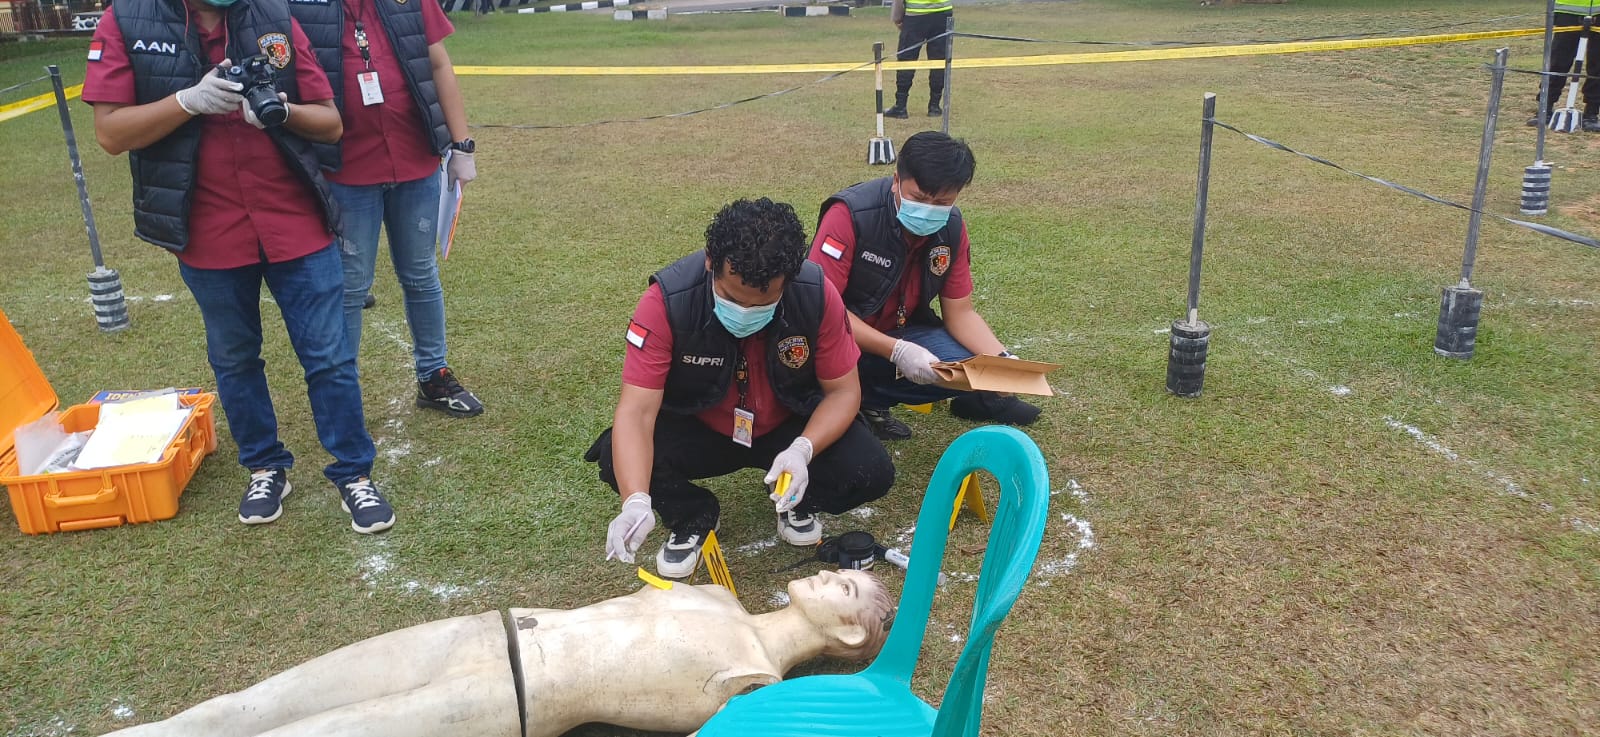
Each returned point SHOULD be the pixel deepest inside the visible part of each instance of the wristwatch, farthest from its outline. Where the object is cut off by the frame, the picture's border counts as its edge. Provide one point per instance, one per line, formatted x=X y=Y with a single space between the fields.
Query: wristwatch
x=465 y=145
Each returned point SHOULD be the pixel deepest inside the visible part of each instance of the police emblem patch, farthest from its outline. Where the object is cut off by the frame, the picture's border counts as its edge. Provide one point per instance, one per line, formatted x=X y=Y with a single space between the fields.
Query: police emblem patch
x=939 y=260
x=276 y=48
x=794 y=351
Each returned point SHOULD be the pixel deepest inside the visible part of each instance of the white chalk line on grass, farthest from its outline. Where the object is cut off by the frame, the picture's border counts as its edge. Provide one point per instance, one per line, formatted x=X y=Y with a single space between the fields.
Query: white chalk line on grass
x=1432 y=443
x=1507 y=486
x=1078 y=527
x=378 y=570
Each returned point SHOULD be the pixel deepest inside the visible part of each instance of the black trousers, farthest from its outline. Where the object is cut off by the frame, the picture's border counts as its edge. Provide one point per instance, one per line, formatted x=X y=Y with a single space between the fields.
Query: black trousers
x=1563 y=50
x=916 y=29
x=851 y=472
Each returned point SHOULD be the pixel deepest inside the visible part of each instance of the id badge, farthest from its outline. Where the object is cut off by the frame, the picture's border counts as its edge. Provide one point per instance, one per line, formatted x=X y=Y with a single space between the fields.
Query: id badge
x=744 y=427
x=371 y=92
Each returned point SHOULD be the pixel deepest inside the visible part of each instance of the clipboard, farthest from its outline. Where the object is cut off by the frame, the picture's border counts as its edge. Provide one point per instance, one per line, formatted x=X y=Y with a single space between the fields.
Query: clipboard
x=449 y=210
x=996 y=374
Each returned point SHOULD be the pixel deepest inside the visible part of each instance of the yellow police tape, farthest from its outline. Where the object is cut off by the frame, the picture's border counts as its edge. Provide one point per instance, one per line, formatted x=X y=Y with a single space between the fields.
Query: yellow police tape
x=1200 y=52
x=19 y=109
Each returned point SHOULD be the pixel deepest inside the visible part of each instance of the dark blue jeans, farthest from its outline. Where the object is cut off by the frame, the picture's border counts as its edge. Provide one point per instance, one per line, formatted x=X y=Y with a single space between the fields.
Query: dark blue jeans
x=408 y=212
x=309 y=292
x=881 y=390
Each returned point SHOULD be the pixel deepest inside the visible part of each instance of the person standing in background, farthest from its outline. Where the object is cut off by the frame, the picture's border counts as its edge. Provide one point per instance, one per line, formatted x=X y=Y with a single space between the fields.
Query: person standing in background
x=396 y=88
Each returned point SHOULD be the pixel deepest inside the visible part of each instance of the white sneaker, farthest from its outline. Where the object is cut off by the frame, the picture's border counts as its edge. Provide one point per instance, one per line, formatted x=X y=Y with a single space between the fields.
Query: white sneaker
x=680 y=554
x=799 y=528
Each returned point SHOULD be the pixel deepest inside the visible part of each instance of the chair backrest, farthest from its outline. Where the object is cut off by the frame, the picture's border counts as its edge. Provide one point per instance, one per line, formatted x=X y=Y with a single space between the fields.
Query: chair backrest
x=1023 y=507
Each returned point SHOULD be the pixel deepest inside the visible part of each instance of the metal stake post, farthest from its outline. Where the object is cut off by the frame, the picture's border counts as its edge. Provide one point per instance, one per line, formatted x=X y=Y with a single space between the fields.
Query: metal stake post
x=1460 y=305
x=105 y=285
x=1191 y=338
x=949 y=55
x=880 y=150
x=1536 y=178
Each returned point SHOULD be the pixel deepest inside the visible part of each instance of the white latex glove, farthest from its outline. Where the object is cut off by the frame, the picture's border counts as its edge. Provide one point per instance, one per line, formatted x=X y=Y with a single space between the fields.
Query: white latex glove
x=250 y=115
x=627 y=532
x=212 y=95
x=461 y=168
x=793 y=461
x=914 y=361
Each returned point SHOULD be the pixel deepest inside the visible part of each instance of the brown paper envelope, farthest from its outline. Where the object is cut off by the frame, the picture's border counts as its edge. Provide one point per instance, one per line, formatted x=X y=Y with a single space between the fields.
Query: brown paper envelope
x=996 y=374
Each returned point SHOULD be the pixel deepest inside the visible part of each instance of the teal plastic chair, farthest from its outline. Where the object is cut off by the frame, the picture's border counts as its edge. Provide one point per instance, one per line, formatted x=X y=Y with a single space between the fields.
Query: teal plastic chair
x=878 y=701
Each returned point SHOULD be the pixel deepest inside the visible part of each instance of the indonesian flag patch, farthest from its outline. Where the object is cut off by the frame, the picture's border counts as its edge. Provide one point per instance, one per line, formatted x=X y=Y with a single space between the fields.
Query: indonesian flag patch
x=637 y=335
x=833 y=249
x=95 y=49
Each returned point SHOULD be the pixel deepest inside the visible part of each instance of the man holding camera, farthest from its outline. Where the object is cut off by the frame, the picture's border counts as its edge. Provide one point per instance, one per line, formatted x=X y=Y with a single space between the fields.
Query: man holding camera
x=224 y=176
x=396 y=90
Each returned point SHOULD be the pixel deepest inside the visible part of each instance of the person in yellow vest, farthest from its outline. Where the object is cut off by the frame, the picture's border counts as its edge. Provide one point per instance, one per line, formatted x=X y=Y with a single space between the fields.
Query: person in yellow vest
x=919 y=21
x=1563 y=50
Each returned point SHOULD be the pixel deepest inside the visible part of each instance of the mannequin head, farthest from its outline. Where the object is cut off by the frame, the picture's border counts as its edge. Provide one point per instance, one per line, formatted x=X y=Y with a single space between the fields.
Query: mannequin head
x=850 y=607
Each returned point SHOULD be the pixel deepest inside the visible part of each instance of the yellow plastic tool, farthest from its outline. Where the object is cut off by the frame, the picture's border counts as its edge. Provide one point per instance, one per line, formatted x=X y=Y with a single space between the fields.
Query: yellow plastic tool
x=925 y=409
x=654 y=580
x=780 y=490
x=970 y=496
x=716 y=563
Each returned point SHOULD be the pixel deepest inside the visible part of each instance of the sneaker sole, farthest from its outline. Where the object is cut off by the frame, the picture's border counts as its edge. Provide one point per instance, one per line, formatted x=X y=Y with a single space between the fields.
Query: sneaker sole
x=666 y=570
x=803 y=540
x=373 y=528
x=287 y=487
x=426 y=404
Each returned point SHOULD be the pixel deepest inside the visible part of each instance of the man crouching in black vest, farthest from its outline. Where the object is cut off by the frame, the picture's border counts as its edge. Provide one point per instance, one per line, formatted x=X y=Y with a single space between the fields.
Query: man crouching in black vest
x=891 y=246
x=738 y=356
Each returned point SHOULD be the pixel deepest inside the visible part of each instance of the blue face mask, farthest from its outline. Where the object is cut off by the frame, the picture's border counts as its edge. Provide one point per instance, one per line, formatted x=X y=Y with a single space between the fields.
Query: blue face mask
x=922 y=218
x=742 y=321
x=219 y=3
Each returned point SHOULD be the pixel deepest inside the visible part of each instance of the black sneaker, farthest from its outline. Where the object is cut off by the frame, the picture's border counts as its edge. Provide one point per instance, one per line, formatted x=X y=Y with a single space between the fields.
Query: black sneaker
x=369 y=302
x=680 y=554
x=884 y=425
x=799 y=528
x=442 y=392
x=898 y=111
x=263 y=501
x=1591 y=124
x=992 y=407
x=369 y=511
x=934 y=110
x=1533 y=122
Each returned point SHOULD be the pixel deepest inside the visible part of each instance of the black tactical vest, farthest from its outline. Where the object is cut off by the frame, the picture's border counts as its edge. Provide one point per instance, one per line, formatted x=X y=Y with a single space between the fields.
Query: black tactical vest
x=165 y=51
x=704 y=353
x=880 y=257
x=323 y=22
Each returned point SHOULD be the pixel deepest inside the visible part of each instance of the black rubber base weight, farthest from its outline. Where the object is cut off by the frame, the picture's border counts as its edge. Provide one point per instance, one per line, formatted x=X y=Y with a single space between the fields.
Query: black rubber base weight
x=1457 y=335
x=1186 y=357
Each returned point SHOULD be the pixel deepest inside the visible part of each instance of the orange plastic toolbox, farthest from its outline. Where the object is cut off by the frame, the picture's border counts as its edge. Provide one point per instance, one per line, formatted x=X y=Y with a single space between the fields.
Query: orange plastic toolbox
x=86 y=500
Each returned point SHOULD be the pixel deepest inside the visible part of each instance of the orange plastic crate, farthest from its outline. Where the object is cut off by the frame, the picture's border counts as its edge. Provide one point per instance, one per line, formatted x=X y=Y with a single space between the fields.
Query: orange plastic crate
x=86 y=500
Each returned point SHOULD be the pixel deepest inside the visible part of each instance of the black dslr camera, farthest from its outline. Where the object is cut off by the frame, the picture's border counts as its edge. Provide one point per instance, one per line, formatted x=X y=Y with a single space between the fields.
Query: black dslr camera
x=260 y=88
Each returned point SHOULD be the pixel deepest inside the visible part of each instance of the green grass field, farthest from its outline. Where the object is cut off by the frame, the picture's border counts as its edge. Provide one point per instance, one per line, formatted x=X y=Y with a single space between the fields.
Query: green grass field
x=1345 y=535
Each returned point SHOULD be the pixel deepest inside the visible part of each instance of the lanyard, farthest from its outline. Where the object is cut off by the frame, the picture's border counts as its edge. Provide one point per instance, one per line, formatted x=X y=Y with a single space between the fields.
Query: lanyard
x=361 y=33
x=741 y=374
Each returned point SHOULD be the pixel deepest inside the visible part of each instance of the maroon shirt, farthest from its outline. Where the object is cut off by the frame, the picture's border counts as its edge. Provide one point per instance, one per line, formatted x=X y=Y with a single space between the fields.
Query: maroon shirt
x=387 y=142
x=649 y=358
x=248 y=205
x=834 y=249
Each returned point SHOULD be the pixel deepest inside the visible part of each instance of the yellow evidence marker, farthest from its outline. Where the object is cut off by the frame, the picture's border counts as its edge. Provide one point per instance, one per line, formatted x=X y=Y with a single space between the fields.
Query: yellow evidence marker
x=716 y=563
x=970 y=496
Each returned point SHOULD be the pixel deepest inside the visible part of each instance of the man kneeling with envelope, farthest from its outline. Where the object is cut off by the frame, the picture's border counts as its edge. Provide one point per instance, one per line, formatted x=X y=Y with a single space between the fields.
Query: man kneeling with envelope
x=890 y=246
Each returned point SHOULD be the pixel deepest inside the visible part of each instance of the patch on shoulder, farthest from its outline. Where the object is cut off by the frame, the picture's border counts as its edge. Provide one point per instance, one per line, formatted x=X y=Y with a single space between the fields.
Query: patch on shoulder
x=637 y=335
